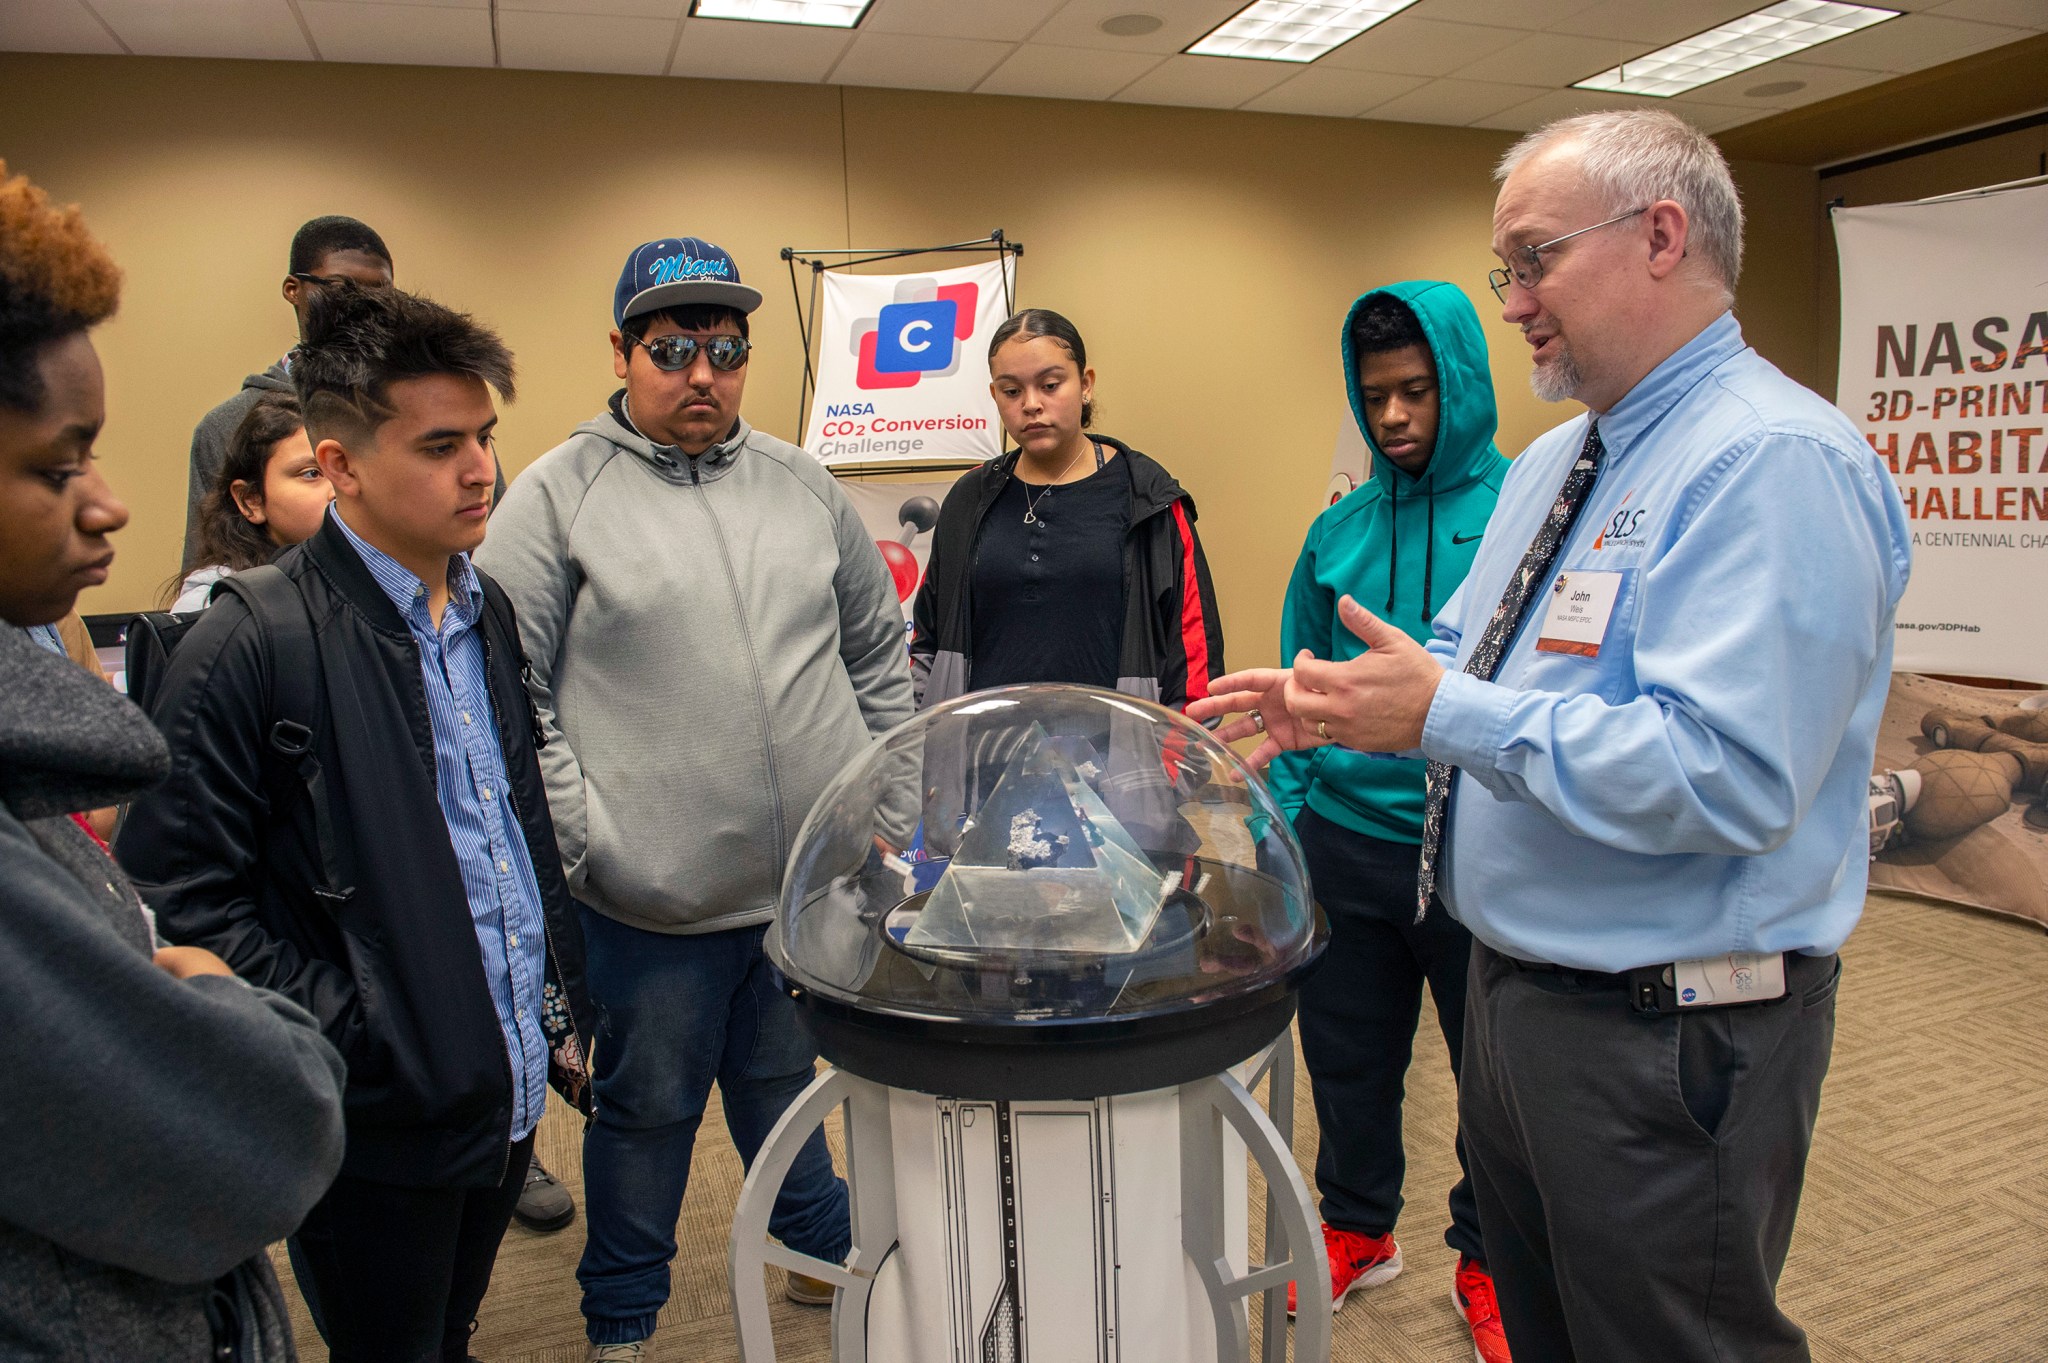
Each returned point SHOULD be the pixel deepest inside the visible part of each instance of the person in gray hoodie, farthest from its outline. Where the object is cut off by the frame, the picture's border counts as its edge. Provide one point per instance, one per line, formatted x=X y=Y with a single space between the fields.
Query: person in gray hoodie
x=713 y=635
x=164 y=1121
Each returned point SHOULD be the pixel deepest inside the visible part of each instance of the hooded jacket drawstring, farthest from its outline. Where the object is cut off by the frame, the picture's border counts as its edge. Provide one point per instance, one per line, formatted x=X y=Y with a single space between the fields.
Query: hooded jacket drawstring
x=1429 y=564
x=1393 y=540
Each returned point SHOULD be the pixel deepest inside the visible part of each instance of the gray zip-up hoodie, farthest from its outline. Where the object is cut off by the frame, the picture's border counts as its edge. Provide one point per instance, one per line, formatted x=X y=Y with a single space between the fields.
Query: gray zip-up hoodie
x=711 y=640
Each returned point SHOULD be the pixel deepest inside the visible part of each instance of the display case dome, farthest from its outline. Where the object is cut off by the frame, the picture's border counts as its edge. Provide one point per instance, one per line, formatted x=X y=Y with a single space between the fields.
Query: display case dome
x=1044 y=891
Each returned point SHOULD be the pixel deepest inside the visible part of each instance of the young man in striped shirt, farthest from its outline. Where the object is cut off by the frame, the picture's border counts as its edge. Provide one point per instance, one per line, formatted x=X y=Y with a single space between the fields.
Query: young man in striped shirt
x=386 y=858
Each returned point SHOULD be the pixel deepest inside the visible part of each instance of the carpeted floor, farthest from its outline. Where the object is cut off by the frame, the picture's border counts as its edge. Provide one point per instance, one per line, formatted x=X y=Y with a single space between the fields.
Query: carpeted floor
x=1923 y=1235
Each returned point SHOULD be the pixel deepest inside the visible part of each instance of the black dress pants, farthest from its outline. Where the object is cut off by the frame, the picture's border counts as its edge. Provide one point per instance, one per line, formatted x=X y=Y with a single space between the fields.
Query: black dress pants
x=1638 y=1174
x=395 y=1275
x=1358 y=1014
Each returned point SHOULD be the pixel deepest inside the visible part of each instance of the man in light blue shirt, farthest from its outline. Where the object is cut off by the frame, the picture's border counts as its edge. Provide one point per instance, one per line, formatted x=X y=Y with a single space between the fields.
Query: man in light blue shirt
x=1650 y=712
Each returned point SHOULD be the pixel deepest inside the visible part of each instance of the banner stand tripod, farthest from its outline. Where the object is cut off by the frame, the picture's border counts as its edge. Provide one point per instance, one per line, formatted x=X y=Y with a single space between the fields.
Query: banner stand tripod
x=821 y=259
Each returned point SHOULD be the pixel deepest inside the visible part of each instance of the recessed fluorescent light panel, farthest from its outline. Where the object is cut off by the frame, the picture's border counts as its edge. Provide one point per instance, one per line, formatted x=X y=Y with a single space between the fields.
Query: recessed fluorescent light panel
x=814 y=13
x=1293 y=30
x=1737 y=45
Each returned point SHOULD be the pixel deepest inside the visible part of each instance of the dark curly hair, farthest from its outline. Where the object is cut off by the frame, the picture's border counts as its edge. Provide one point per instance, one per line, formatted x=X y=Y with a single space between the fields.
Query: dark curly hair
x=358 y=342
x=1032 y=323
x=1385 y=324
x=226 y=536
x=55 y=281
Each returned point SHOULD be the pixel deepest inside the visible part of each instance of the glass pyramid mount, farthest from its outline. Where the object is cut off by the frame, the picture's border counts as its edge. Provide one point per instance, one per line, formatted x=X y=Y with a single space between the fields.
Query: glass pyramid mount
x=1044 y=866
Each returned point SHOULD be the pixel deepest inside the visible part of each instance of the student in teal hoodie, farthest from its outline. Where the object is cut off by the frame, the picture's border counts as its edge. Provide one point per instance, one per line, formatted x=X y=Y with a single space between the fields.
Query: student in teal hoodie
x=1416 y=370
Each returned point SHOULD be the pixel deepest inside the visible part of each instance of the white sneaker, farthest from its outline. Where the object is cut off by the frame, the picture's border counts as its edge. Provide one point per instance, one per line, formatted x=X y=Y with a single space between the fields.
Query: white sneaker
x=633 y=1352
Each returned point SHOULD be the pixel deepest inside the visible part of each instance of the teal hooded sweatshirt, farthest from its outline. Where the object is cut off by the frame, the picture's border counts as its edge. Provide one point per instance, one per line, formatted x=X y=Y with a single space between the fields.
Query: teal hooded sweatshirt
x=1400 y=544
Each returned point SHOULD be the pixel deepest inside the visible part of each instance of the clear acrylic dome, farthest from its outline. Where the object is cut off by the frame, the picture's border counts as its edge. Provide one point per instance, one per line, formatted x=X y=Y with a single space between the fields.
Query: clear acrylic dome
x=1044 y=858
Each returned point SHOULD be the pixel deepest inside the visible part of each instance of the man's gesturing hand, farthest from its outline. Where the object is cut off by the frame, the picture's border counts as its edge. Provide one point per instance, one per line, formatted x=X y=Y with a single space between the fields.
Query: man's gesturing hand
x=1260 y=691
x=1375 y=702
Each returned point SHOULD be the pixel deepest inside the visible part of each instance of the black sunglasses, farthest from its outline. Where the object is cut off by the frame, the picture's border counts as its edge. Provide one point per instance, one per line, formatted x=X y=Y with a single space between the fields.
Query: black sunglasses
x=676 y=353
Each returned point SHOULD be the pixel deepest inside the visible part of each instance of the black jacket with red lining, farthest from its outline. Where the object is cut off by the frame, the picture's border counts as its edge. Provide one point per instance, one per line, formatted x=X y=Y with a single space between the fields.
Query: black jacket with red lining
x=1173 y=636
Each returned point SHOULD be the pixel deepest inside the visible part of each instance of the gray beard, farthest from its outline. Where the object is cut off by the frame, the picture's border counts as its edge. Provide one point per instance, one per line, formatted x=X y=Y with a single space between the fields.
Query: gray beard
x=1560 y=380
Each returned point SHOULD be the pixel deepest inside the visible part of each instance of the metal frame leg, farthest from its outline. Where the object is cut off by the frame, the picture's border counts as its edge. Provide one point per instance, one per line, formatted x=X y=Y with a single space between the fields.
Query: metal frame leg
x=1205 y=1107
x=871 y=1188
x=1278 y=1061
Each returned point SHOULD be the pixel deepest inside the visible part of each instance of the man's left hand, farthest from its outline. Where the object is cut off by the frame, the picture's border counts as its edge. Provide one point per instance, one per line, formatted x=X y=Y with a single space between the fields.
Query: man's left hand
x=1376 y=702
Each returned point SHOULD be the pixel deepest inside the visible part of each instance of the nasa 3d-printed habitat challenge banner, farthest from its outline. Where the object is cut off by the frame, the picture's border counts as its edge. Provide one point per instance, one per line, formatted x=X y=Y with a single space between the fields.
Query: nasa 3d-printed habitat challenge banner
x=901 y=371
x=1945 y=369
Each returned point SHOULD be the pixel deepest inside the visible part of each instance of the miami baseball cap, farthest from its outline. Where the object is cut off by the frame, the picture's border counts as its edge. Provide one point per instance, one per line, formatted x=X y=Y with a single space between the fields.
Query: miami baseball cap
x=677 y=271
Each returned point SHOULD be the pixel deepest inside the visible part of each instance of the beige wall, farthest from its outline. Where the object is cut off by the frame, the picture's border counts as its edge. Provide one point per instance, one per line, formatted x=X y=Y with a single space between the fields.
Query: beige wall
x=1208 y=257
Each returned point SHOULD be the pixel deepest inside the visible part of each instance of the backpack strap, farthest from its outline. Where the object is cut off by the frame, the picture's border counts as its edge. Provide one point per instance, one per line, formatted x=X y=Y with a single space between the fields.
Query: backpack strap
x=293 y=700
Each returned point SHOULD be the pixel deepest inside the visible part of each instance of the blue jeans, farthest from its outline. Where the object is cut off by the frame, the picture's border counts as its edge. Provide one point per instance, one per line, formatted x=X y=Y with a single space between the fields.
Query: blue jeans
x=679 y=1013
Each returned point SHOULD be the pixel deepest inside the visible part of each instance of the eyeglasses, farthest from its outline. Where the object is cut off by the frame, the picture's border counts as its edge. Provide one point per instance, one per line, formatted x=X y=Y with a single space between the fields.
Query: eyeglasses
x=676 y=353
x=1525 y=263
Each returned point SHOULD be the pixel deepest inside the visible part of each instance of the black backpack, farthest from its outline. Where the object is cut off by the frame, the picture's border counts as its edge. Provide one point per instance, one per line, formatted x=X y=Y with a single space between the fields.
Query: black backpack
x=293 y=701
x=294 y=698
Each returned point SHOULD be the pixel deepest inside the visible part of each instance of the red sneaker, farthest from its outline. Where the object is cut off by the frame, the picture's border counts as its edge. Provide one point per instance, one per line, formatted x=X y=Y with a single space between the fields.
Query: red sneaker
x=1472 y=1294
x=1355 y=1261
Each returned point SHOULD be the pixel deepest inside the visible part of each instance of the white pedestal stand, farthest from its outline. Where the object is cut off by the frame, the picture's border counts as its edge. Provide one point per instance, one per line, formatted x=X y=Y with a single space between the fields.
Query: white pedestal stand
x=1110 y=1230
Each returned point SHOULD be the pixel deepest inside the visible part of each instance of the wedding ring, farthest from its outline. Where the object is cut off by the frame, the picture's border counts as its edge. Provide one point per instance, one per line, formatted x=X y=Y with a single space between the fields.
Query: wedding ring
x=1258 y=721
x=1323 y=730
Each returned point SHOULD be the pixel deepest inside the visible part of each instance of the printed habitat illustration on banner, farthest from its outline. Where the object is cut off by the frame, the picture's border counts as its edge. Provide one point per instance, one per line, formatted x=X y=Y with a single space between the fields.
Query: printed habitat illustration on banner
x=900 y=374
x=1945 y=369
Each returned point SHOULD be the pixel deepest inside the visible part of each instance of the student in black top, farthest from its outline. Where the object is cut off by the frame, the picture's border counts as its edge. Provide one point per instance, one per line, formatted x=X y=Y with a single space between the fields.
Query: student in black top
x=1072 y=558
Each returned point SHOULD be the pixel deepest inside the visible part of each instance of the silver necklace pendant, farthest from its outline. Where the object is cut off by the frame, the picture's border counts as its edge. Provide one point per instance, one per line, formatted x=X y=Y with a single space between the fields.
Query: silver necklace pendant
x=1030 y=519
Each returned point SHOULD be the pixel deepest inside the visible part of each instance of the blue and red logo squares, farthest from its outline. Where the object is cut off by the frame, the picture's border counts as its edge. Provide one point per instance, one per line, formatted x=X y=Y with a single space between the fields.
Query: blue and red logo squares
x=916 y=337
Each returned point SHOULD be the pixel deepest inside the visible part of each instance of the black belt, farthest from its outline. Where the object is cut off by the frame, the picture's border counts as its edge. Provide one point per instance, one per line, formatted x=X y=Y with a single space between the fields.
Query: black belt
x=1649 y=987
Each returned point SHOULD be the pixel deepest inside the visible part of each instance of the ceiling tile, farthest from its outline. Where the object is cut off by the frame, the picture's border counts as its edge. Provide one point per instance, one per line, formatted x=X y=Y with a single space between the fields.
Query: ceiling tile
x=1206 y=82
x=1453 y=101
x=1079 y=23
x=584 y=42
x=725 y=49
x=1334 y=92
x=52 y=26
x=1657 y=24
x=1912 y=42
x=670 y=10
x=907 y=61
x=424 y=4
x=1536 y=16
x=1819 y=82
x=1550 y=59
x=1006 y=21
x=1067 y=72
x=1714 y=118
x=1556 y=104
x=258 y=29
x=411 y=35
x=1408 y=46
x=2019 y=13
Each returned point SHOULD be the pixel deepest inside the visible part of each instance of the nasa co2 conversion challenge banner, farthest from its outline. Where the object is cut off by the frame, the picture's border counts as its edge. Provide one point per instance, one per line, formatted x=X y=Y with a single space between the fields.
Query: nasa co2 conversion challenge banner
x=902 y=367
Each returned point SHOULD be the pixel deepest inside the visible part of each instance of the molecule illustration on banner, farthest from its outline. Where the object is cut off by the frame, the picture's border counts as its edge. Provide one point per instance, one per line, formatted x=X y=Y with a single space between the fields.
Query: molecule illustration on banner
x=916 y=516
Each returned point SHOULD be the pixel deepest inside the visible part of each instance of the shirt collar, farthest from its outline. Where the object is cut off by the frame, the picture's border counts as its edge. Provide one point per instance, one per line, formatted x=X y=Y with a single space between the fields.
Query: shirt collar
x=1660 y=389
x=404 y=587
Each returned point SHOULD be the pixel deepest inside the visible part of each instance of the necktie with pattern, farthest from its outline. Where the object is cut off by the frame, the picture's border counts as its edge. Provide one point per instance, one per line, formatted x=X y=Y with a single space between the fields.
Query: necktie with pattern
x=1500 y=632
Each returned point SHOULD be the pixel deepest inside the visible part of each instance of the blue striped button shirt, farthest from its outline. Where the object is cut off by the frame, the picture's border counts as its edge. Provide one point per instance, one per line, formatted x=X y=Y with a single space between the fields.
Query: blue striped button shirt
x=476 y=800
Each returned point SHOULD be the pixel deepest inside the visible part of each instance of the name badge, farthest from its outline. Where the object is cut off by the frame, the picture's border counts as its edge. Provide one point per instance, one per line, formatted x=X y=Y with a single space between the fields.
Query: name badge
x=1576 y=619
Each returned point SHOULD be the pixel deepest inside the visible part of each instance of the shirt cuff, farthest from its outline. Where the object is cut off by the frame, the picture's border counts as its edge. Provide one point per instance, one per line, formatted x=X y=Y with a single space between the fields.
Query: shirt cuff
x=1467 y=722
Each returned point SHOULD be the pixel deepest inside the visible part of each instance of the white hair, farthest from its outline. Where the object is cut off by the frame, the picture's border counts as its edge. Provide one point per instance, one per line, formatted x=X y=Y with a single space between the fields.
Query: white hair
x=1634 y=157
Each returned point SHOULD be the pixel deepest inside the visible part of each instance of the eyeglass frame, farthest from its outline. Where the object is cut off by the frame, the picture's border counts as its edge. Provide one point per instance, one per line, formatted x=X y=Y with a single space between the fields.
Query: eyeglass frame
x=1501 y=278
x=700 y=345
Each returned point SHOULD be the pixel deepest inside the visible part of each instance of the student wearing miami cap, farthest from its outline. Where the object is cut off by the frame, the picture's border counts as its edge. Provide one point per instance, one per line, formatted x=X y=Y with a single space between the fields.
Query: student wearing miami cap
x=713 y=636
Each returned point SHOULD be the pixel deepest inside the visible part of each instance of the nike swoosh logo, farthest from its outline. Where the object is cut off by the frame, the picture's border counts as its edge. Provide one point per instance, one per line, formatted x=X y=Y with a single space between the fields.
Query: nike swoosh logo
x=1465 y=539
